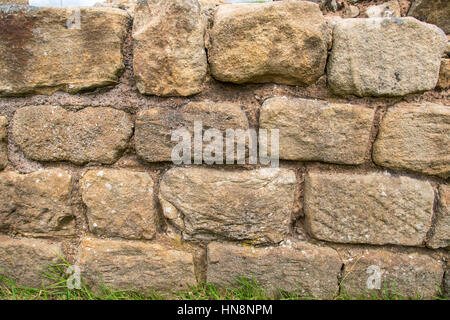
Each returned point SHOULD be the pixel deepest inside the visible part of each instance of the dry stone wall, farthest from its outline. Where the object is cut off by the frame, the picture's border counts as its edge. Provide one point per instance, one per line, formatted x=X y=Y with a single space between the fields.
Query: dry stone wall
x=359 y=202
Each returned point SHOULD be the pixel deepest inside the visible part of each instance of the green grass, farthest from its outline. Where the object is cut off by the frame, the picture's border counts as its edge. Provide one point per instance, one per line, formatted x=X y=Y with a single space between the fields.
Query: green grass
x=56 y=289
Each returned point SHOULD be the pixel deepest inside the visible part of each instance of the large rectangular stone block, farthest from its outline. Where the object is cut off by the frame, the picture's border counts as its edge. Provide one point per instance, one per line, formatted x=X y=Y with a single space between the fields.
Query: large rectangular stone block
x=169 y=50
x=384 y=56
x=25 y=260
x=408 y=274
x=369 y=208
x=136 y=265
x=37 y=204
x=156 y=127
x=283 y=42
x=303 y=269
x=49 y=133
x=416 y=138
x=314 y=130
x=43 y=50
x=206 y=204
x=120 y=203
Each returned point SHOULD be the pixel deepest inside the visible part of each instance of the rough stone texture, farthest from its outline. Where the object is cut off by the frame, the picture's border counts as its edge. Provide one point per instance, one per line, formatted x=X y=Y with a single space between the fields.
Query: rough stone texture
x=136 y=265
x=351 y=12
x=384 y=56
x=384 y=10
x=24 y=260
x=207 y=204
x=154 y=127
x=47 y=133
x=283 y=42
x=169 y=53
x=415 y=137
x=37 y=204
x=302 y=268
x=120 y=203
x=368 y=208
x=444 y=74
x=412 y=273
x=314 y=130
x=33 y=59
x=441 y=233
x=3 y=142
x=432 y=11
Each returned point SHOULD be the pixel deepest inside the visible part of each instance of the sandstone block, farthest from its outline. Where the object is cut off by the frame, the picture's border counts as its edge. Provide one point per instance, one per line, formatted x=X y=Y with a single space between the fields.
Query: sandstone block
x=432 y=11
x=120 y=203
x=154 y=127
x=304 y=269
x=384 y=56
x=416 y=138
x=3 y=142
x=368 y=208
x=43 y=50
x=169 y=52
x=283 y=42
x=441 y=234
x=25 y=260
x=37 y=204
x=135 y=265
x=377 y=271
x=312 y=130
x=48 y=133
x=207 y=204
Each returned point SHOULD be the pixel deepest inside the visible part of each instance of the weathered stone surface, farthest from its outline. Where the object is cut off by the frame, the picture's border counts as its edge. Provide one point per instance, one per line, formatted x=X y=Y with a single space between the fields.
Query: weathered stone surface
x=33 y=59
x=368 y=208
x=207 y=204
x=169 y=53
x=301 y=268
x=314 y=130
x=37 y=204
x=24 y=260
x=154 y=127
x=444 y=74
x=136 y=265
x=410 y=273
x=3 y=142
x=384 y=56
x=120 y=203
x=415 y=137
x=47 y=133
x=432 y=11
x=284 y=42
x=441 y=232
x=351 y=12
x=384 y=10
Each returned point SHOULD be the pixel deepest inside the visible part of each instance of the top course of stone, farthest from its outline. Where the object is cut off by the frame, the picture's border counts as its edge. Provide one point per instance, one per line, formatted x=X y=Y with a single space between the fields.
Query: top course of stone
x=43 y=50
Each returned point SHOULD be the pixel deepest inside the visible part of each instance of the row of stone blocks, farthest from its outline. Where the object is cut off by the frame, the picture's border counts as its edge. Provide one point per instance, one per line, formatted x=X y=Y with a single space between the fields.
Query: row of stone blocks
x=306 y=269
x=283 y=42
x=411 y=137
x=255 y=208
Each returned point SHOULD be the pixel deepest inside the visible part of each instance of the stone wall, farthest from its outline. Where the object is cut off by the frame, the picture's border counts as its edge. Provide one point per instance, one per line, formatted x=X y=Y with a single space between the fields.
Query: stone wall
x=362 y=104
